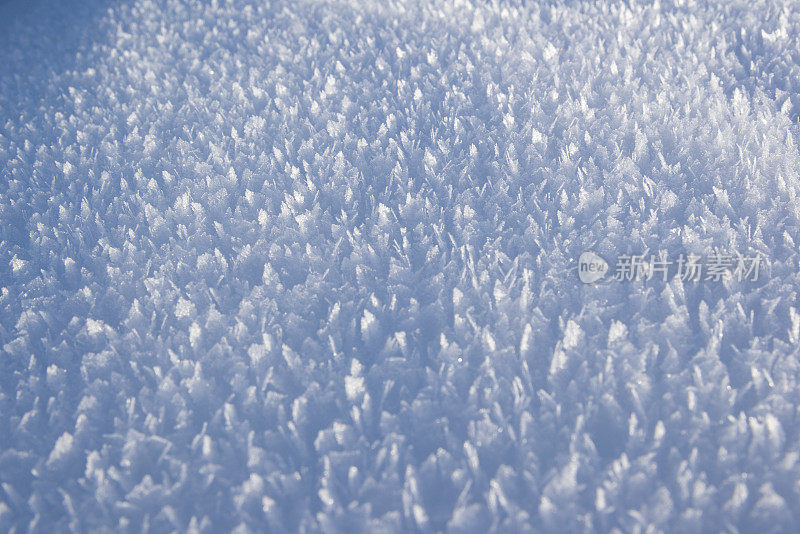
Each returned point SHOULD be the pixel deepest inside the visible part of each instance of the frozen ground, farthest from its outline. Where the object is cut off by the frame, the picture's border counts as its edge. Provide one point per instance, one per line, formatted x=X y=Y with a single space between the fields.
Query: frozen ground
x=311 y=266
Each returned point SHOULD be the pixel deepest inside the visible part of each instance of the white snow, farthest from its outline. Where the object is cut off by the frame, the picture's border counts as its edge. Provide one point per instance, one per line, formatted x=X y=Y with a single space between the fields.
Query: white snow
x=311 y=266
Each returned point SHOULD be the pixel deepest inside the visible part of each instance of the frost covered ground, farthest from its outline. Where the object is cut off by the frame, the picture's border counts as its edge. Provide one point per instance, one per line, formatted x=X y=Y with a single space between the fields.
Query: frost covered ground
x=311 y=266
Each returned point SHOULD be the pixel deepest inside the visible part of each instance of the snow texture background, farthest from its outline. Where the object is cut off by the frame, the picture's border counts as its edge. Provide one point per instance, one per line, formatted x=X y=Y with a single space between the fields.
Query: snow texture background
x=310 y=266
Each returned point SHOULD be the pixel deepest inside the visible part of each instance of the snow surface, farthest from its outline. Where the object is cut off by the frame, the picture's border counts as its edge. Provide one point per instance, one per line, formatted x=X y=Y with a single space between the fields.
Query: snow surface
x=310 y=266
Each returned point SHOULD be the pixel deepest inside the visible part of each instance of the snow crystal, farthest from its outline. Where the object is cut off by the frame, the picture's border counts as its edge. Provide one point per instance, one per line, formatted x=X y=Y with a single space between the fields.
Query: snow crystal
x=312 y=266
